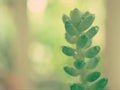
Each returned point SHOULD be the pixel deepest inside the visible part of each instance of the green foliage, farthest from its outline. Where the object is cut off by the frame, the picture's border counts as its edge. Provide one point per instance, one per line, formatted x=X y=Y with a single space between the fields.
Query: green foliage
x=92 y=52
x=79 y=64
x=91 y=64
x=65 y=18
x=79 y=33
x=76 y=86
x=93 y=76
x=70 y=39
x=68 y=51
x=70 y=29
x=99 y=85
x=82 y=41
x=85 y=21
x=92 y=32
x=71 y=71
x=75 y=16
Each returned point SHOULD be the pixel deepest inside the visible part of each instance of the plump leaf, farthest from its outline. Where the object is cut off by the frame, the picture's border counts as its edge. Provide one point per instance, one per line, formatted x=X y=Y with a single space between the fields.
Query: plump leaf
x=91 y=64
x=82 y=41
x=84 y=15
x=86 y=22
x=76 y=86
x=68 y=51
x=65 y=18
x=89 y=43
x=70 y=39
x=75 y=16
x=70 y=29
x=100 y=84
x=93 y=76
x=92 y=52
x=79 y=64
x=71 y=71
x=92 y=32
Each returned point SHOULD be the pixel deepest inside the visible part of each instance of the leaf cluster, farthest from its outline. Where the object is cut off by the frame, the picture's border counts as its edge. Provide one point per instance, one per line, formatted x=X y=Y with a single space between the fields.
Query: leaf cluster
x=79 y=33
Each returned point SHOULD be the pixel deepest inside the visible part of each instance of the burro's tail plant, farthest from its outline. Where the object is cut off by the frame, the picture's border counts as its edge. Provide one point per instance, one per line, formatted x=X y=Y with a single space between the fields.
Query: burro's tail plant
x=85 y=55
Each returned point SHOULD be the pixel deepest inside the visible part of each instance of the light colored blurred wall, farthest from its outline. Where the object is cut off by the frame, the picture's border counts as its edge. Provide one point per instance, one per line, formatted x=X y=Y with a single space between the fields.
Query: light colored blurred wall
x=18 y=78
x=113 y=44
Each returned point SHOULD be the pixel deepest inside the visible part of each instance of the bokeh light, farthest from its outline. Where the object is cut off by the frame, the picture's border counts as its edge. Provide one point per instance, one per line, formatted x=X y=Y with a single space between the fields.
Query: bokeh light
x=37 y=6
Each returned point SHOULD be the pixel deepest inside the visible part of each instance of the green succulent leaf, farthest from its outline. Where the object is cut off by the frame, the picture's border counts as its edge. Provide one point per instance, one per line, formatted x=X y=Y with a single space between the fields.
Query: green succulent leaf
x=75 y=16
x=70 y=39
x=93 y=76
x=100 y=84
x=92 y=32
x=86 y=14
x=89 y=43
x=68 y=51
x=71 y=71
x=92 y=52
x=82 y=41
x=79 y=64
x=91 y=64
x=76 y=86
x=86 y=22
x=70 y=29
x=65 y=18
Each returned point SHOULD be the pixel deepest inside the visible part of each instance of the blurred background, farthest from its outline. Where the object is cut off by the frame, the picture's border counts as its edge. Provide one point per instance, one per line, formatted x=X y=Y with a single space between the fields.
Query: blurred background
x=31 y=36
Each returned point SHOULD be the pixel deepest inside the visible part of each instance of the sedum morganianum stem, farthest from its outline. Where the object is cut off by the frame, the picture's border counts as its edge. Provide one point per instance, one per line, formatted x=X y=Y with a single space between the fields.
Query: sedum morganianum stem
x=79 y=33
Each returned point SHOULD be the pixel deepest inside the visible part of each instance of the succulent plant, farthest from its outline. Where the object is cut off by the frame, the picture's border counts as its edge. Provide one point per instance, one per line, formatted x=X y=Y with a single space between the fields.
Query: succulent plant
x=80 y=33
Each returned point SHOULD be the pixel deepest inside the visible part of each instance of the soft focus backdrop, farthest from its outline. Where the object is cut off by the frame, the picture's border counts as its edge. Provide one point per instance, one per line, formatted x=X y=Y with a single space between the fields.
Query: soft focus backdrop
x=31 y=36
